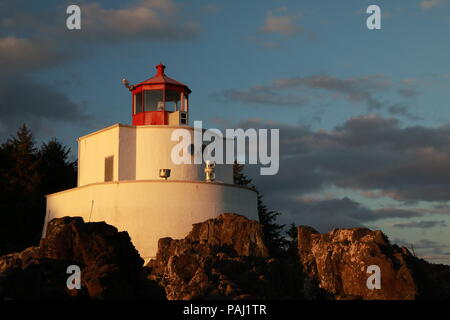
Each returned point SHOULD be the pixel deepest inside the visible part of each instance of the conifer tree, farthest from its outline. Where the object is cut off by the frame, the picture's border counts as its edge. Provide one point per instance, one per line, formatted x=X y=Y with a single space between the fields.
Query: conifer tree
x=27 y=174
x=60 y=173
x=272 y=231
x=292 y=232
x=22 y=177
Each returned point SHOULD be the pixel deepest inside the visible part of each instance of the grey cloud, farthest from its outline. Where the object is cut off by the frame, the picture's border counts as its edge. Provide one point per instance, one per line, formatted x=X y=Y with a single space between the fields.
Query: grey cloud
x=286 y=91
x=427 y=249
x=421 y=224
x=367 y=153
x=299 y=91
x=408 y=92
x=262 y=96
x=402 y=110
x=327 y=214
x=354 y=210
x=424 y=246
x=356 y=89
x=23 y=100
x=23 y=55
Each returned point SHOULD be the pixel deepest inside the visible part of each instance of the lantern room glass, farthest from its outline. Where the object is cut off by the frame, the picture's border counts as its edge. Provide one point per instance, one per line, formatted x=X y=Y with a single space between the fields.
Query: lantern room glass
x=158 y=100
x=153 y=100
x=173 y=100
x=138 y=103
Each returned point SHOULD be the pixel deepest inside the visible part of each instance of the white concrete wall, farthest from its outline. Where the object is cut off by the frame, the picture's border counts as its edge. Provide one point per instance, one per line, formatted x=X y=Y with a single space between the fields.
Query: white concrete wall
x=139 y=152
x=154 y=149
x=150 y=210
x=92 y=152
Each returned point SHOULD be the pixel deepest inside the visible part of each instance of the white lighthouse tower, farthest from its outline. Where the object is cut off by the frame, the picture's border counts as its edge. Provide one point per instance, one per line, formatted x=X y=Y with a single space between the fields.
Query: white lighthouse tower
x=123 y=173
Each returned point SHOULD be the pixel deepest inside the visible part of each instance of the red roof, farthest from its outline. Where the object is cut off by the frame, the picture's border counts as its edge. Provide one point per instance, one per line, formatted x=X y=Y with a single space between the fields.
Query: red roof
x=161 y=78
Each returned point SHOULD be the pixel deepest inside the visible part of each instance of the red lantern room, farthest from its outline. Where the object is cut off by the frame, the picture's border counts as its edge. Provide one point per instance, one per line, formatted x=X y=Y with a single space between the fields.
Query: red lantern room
x=159 y=100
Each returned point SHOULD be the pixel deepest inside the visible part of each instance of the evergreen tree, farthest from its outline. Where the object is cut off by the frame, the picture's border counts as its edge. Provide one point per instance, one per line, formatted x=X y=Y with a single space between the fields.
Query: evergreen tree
x=292 y=232
x=21 y=177
x=26 y=176
x=238 y=176
x=60 y=173
x=272 y=231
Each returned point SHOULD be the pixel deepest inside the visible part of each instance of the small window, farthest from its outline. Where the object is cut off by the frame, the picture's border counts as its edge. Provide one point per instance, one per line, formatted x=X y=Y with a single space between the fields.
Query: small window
x=109 y=168
x=138 y=102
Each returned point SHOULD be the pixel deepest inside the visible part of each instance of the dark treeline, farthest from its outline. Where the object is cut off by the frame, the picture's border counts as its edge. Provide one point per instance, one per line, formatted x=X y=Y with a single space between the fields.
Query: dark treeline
x=27 y=173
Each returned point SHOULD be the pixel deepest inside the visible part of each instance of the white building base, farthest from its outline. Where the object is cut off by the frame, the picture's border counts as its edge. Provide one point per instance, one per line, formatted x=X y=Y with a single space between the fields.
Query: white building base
x=152 y=209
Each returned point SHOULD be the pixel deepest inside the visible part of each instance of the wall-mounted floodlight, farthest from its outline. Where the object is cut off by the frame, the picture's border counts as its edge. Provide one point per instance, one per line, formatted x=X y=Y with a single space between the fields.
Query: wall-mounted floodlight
x=164 y=173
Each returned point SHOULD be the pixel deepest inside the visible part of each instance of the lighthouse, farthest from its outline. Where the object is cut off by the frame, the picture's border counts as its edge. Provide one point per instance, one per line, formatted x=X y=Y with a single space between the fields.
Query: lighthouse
x=126 y=176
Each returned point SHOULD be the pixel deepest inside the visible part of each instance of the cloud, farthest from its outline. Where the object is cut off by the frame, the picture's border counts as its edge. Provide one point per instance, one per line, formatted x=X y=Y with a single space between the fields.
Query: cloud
x=149 y=19
x=280 y=22
x=408 y=92
x=364 y=154
x=437 y=257
x=261 y=95
x=421 y=224
x=280 y=25
x=23 y=100
x=427 y=4
x=402 y=110
x=354 y=89
x=23 y=55
x=425 y=247
x=369 y=155
x=160 y=20
x=296 y=90
x=326 y=214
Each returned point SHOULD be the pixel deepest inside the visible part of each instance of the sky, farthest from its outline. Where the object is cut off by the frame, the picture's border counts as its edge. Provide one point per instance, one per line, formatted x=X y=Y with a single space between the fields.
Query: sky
x=363 y=114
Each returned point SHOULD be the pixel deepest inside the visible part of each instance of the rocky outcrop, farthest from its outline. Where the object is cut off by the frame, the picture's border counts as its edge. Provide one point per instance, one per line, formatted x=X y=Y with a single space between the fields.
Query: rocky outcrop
x=110 y=265
x=338 y=262
x=223 y=258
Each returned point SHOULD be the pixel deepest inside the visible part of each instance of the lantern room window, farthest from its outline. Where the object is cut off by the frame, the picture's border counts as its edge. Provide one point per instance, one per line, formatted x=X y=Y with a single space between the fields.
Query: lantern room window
x=173 y=99
x=138 y=102
x=153 y=100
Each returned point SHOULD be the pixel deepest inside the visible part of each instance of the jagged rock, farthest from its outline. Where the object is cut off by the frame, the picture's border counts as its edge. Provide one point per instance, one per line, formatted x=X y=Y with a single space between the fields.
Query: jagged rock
x=337 y=262
x=25 y=275
x=110 y=265
x=223 y=258
x=242 y=235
